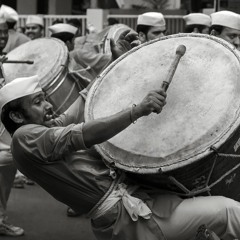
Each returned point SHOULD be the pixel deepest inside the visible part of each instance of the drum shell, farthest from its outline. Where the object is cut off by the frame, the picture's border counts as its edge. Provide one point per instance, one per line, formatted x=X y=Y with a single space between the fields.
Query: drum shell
x=62 y=91
x=216 y=174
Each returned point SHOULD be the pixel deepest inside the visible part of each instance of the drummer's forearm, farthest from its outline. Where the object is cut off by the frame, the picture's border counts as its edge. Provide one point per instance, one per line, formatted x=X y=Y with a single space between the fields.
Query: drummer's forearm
x=100 y=130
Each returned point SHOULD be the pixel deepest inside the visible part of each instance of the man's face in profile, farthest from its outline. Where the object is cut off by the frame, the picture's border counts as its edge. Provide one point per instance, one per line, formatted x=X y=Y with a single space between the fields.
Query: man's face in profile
x=3 y=35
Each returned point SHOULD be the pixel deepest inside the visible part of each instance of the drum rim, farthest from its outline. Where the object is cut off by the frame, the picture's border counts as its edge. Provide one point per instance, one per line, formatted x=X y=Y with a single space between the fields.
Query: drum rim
x=113 y=32
x=101 y=148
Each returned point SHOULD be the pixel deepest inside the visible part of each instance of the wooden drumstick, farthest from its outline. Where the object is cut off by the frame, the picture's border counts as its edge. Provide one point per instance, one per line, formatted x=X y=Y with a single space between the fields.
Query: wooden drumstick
x=5 y=60
x=181 y=49
x=19 y=61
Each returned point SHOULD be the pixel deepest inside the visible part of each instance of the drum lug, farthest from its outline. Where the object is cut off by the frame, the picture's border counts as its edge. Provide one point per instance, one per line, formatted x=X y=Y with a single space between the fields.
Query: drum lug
x=214 y=149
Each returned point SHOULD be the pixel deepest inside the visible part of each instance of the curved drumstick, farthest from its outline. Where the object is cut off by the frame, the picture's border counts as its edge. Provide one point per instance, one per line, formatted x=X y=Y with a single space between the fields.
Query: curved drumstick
x=181 y=49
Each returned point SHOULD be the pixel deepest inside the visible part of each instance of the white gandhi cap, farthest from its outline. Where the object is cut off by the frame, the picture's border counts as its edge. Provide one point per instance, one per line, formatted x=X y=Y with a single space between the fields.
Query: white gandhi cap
x=34 y=19
x=197 y=19
x=226 y=19
x=20 y=87
x=154 y=19
x=62 y=27
x=8 y=13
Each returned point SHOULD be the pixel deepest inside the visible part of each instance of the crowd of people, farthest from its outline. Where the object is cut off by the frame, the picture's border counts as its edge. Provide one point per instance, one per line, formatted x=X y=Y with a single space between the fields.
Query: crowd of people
x=58 y=152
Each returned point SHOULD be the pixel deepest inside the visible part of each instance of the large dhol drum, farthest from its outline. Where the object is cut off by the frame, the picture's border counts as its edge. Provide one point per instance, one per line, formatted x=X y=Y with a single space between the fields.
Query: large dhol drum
x=50 y=63
x=192 y=146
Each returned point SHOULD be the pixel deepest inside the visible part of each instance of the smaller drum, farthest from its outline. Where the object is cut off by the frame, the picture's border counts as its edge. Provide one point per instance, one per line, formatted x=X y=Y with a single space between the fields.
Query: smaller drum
x=50 y=57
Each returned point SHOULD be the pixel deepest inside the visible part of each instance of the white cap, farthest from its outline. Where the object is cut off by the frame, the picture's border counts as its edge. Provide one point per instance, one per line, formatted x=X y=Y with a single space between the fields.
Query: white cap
x=226 y=19
x=18 y=88
x=34 y=19
x=8 y=13
x=62 y=27
x=197 y=19
x=154 y=19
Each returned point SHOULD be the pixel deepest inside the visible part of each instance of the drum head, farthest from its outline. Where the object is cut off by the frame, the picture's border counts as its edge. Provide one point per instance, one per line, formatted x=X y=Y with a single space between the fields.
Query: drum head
x=49 y=56
x=202 y=107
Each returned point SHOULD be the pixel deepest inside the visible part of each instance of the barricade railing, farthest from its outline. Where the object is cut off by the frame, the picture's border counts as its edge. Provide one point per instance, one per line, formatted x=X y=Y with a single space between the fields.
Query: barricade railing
x=49 y=19
x=175 y=23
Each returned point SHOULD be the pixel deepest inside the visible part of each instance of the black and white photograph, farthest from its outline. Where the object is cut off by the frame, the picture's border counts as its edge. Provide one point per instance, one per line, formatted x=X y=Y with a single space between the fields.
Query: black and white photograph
x=120 y=119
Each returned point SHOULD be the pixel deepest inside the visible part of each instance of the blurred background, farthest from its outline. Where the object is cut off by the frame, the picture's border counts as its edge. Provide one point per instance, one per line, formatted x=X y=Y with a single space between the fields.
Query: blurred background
x=97 y=12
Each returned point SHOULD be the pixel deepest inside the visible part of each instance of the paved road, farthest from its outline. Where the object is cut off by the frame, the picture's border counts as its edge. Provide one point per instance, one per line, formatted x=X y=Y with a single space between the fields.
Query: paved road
x=43 y=217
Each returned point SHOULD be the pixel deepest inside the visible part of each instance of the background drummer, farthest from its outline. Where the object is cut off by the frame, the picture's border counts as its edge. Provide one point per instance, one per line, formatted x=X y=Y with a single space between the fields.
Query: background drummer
x=76 y=23
x=7 y=167
x=15 y=38
x=197 y=23
x=84 y=65
x=226 y=25
x=34 y=27
x=65 y=32
x=151 y=25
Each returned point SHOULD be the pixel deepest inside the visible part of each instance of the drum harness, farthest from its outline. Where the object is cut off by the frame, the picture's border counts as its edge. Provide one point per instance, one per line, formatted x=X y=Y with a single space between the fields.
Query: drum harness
x=120 y=191
x=207 y=187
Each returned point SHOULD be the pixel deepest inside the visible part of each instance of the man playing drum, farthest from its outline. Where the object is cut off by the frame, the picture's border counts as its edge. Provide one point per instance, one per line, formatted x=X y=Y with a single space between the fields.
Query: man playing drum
x=151 y=25
x=226 y=25
x=58 y=154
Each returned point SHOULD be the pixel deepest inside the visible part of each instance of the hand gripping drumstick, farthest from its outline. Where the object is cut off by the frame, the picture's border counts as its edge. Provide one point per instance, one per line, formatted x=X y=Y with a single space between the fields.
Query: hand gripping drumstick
x=181 y=49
